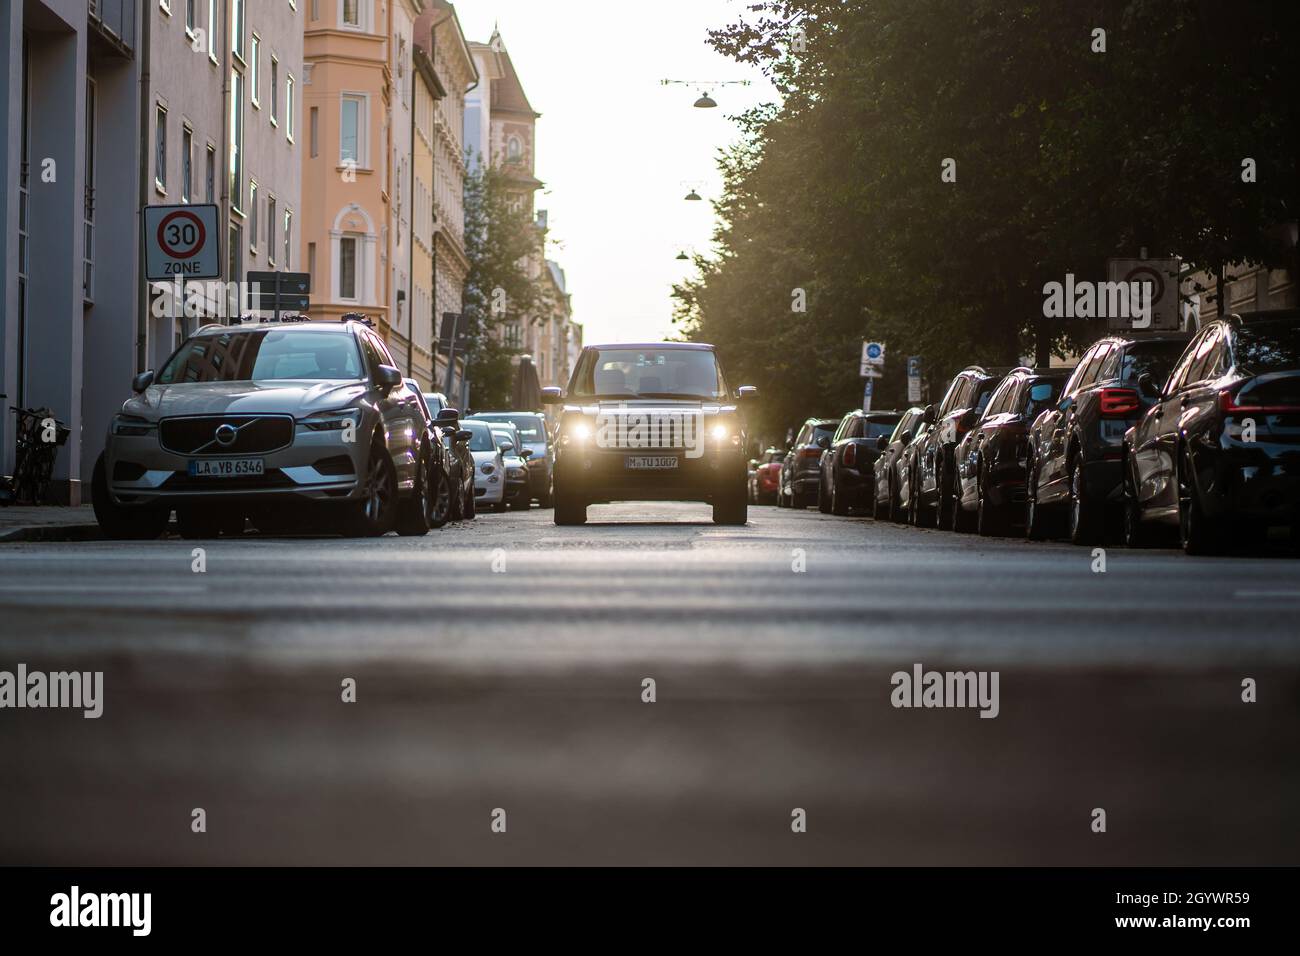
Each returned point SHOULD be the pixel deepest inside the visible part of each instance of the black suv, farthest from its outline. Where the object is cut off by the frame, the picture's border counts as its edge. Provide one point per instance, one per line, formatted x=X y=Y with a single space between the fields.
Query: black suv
x=935 y=490
x=656 y=422
x=849 y=461
x=801 y=470
x=1074 y=479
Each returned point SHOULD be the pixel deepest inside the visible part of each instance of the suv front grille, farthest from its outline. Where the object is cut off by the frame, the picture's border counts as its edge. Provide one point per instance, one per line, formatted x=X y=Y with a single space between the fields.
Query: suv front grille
x=196 y=435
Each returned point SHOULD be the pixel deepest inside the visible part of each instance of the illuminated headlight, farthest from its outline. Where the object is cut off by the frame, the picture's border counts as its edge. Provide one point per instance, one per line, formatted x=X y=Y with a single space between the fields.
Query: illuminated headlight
x=332 y=421
x=722 y=432
x=579 y=433
x=133 y=425
x=487 y=468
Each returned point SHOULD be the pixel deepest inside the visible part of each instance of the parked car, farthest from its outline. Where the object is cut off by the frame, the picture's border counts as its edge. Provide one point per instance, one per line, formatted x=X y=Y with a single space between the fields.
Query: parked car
x=767 y=475
x=516 y=457
x=489 y=465
x=1217 y=453
x=252 y=420
x=935 y=473
x=460 y=462
x=435 y=479
x=654 y=421
x=535 y=433
x=992 y=457
x=847 y=467
x=801 y=470
x=886 y=478
x=1074 y=484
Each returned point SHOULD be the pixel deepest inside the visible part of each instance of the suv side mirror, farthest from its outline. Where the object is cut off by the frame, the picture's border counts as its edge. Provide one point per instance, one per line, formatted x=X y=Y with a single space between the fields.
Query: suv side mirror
x=526 y=453
x=142 y=381
x=746 y=393
x=387 y=377
x=928 y=416
x=882 y=443
x=506 y=446
x=448 y=416
x=464 y=434
x=552 y=395
x=1147 y=385
x=823 y=442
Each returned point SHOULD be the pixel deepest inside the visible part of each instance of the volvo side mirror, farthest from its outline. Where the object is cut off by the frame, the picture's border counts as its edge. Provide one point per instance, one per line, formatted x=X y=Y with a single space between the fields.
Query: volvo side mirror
x=142 y=381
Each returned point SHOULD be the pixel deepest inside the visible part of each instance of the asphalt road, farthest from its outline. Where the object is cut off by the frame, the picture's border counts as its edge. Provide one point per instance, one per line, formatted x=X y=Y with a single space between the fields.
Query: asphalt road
x=499 y=664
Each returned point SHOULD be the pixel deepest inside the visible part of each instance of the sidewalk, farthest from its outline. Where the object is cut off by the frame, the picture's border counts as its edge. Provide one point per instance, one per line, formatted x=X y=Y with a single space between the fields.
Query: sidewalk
x=47 y=523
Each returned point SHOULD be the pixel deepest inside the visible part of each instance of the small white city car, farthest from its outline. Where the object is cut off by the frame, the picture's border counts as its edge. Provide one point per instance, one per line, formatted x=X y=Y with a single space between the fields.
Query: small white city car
x=292 y=425
x=489 y=465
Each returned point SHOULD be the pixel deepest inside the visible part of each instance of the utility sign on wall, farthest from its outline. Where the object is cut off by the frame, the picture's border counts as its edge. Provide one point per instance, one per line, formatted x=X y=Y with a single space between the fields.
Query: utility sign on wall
x=181 y=242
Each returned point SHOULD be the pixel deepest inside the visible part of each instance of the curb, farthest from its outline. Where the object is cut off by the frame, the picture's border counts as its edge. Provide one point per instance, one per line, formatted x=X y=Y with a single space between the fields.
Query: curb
x=53 y=532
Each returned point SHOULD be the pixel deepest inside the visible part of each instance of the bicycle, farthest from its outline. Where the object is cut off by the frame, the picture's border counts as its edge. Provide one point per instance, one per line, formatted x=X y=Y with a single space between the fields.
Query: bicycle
x=35 y=450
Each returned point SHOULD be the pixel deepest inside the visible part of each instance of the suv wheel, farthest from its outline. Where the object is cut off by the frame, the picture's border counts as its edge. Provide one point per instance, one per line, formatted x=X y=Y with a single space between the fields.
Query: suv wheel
x=1085 y=514
x=1198 y=533
x=569 y=509
x=470 y=507
x=1135 y=532
x=823 y=497
x=374 y=513
x=124 y=524
x=730 y=507
x=988 y=520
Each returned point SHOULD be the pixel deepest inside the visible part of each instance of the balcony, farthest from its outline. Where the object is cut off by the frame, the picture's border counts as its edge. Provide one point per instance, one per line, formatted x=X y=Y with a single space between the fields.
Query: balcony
x=113 y=21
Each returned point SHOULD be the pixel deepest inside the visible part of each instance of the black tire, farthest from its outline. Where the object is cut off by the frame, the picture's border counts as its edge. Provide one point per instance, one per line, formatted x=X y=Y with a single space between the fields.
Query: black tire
x=415 y=511
x=988 y=519
x=375 y=513
x=1038 y=524
x=730 y=507
x=943 y=502
x=823 y=497
x=124 y=524
x=456 y=505
x=470 y=508
x=1136 y=533
x=569 y=510
x=1198 y=533
x=547 y=498
x=1087 y=517
x=198 y=523
x=962 y=521
x=839 y=506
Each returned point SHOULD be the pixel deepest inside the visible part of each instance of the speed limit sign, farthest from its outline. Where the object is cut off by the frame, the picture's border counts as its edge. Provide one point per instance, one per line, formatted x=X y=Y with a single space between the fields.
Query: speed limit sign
x=181 y=242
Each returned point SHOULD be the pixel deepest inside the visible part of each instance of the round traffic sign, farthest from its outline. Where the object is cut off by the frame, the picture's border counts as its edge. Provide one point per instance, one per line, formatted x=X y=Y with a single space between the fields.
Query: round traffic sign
x=873 y=350
x=181 y=234
x=1153 y=276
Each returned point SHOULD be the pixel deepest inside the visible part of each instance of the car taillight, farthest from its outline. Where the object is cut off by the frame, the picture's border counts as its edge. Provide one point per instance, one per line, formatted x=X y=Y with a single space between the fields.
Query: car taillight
x=1229 y=406
x=813 y=452
x=851 y=456
x=1119 y=402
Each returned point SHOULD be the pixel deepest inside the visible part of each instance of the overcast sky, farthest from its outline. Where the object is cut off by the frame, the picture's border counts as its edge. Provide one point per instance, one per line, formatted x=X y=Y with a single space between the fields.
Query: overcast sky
x=614 y=147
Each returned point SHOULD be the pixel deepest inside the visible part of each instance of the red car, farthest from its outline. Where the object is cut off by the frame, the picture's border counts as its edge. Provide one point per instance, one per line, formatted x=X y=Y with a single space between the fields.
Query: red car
x=763 y=482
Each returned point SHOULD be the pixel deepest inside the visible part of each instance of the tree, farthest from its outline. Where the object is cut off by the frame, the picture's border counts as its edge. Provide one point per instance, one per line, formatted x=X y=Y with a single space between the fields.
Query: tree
x=503 y=285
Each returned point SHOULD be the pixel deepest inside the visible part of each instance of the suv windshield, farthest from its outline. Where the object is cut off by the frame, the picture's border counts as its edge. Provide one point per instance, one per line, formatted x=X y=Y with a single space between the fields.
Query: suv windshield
x=265 y=355
x=1268 y=346
x=648 y=373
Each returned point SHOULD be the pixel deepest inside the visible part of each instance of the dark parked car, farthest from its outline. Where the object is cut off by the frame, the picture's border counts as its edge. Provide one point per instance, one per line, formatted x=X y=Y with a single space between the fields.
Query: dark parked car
x=1218 y=452
x=436 y=477
x=847 y=466
x=460 y=461
x=886 y=502
x=801 y=471
x=991 y=458
x=766 y=477
x=936 y=471
x=1074 y=482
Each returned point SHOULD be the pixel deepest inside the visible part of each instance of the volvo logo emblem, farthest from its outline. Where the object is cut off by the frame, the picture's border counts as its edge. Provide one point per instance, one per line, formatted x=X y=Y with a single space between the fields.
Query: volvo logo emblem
x=226 y=434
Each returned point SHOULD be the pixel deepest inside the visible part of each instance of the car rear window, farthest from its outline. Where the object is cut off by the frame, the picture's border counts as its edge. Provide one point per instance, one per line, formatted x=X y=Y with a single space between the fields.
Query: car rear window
x=877 y=428
x=1269 y=346
x=532 y=428
x=1156 y=359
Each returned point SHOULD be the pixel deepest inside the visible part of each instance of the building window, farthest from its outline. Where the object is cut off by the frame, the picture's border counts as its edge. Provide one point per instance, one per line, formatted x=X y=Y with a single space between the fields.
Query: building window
x=191 y=16
x=160 y=150
x=514 y=150
x=313 y=133
x=270 y=230
x=236 y=136
x=210 y=175
x=187 y=163
x=88 y=200
x=347 y=269
x=212 y=30
x=352 y=13
x=275 y=91
x=315 y=9
x=255 y=70
x=288 y=107
x=236 y=267
x=352 y=144
x=237 y=27
x=288 y=238
x=252 y=216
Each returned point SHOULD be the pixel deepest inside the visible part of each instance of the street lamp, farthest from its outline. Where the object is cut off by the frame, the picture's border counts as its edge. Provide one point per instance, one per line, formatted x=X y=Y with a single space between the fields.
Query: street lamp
x=693 y=196
x=705 y=102
x=705 y=89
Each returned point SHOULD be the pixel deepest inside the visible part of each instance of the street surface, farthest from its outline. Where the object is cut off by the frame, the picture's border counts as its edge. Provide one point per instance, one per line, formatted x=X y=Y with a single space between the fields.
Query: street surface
x=520 y=688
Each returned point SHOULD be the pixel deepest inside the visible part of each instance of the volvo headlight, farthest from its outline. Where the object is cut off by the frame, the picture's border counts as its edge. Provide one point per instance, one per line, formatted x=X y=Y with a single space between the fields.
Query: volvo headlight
x=332 y=421
x=133 y=425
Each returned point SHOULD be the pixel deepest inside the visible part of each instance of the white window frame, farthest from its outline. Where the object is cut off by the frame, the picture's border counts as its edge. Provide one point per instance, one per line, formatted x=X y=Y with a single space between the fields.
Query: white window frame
x=212 y=30
x=363 y=16
x=252 y=216
x=275 y=90
x=290 y=89
x=362 y=100
x=160 y=139
x=270 y=231
x=358 y=251
x=254 y=69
